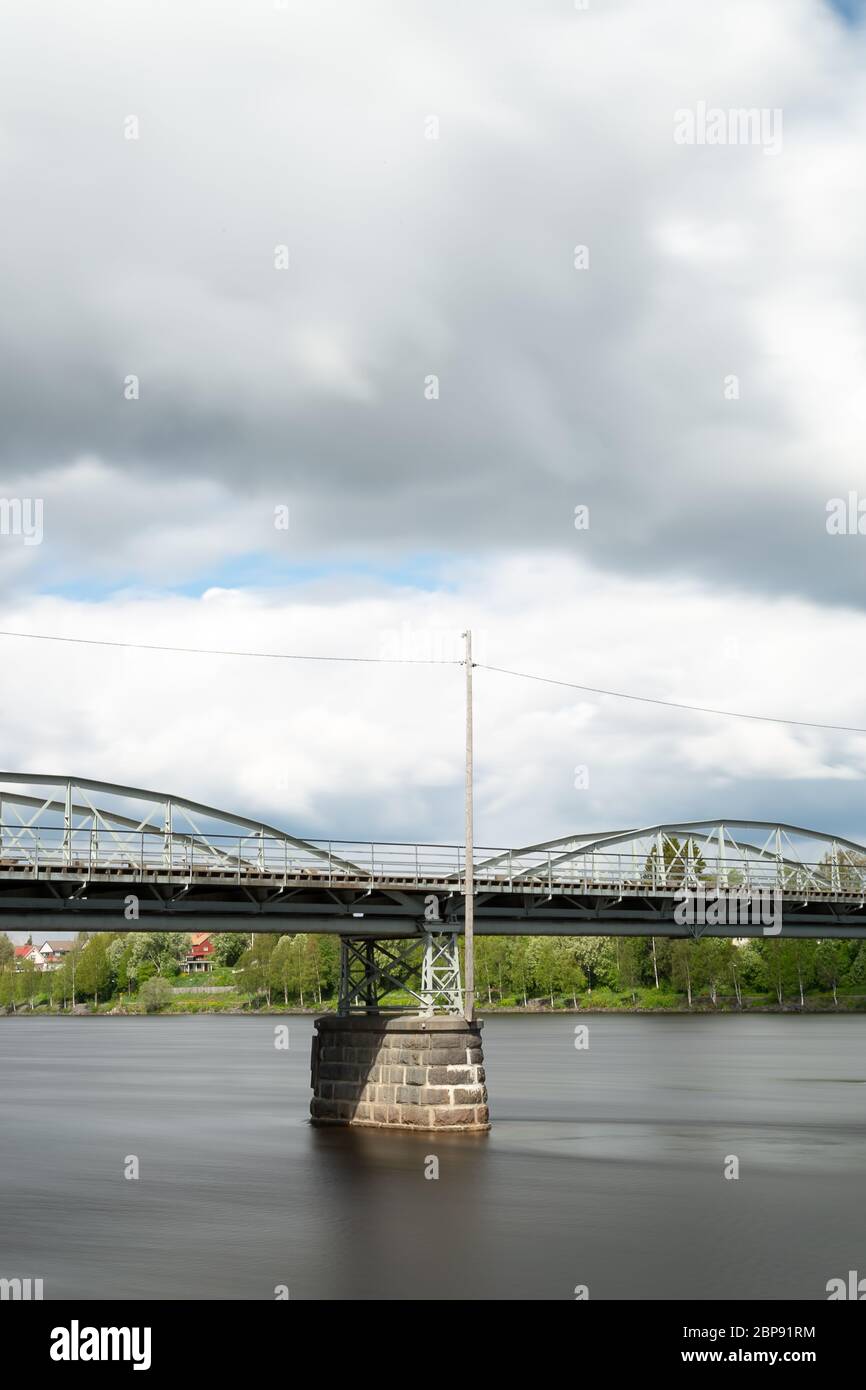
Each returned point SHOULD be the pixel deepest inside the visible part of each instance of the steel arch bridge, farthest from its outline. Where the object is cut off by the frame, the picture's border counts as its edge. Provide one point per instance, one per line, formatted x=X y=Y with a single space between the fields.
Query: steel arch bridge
x=73 y=851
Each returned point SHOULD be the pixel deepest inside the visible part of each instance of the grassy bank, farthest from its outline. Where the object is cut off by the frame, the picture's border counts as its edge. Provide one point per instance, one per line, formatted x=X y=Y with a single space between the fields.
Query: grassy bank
x=197 y=999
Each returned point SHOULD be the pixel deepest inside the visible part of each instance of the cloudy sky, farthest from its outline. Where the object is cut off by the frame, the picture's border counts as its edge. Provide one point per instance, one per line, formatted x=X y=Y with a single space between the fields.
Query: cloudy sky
x=322 y=257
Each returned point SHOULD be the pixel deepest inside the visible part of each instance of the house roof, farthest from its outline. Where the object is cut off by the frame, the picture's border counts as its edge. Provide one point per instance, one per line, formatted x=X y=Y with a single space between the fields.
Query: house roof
x=24 y=950
x=54 y=944
x=198 y=938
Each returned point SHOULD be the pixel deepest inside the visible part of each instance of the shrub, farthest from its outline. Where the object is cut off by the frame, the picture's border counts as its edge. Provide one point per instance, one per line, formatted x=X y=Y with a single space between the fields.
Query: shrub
x=155 y=993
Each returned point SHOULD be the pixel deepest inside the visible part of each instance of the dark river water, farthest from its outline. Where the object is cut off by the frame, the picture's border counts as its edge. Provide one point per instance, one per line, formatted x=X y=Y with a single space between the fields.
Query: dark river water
x=604 y=1167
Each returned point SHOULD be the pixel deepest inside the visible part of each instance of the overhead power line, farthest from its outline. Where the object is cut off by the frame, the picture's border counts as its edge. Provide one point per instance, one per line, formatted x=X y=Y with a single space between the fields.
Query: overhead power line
x=674 y=704
x=441 y=661
x=219 y=651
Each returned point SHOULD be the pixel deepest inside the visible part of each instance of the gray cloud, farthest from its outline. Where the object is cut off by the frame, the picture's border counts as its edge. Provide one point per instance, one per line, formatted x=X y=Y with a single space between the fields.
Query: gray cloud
x=706 y=574
x=410 y=257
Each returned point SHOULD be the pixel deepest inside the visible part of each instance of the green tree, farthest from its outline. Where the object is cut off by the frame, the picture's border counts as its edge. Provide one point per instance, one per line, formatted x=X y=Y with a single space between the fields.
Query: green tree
x=50 y=984
x=484 y=969
x=307 y=974
x=28 y=983
x=496 y=964
x=7 y=987
x=594 y=957
x=779 y=970
x=681 y=965
x=711 y=960
x=857 y=968
x=750 y=966
x=253 y=968
x=163 y=950
x=572 y=977
x=661 y=958
x=229 y=946
x=67 y=974
x=546 y=965
x=519 y=966
x=119 y=956
x=282 y=967
x=735 y=973
x=802 y=952
x=63 y=980
x=631 y=954
x=831 y=961
x=7 y=950
x=140 y=972
x=94 y=969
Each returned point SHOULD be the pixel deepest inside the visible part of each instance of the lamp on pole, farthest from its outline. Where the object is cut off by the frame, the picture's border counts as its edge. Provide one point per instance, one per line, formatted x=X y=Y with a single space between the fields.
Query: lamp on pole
x=468 y=867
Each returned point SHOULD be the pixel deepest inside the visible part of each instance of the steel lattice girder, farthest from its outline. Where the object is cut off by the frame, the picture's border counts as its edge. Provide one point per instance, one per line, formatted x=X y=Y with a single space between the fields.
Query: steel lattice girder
x=800 y=857
x=440 y=973
x=72 y=849
x=112 y=822
x=371 y=970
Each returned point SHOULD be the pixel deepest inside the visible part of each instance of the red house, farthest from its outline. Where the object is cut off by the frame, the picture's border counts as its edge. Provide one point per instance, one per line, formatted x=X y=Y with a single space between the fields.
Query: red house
x=201 y=953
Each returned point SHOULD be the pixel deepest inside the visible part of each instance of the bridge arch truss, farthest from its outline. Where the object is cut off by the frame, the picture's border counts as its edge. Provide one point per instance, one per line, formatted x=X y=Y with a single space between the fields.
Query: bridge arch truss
x=72 y=848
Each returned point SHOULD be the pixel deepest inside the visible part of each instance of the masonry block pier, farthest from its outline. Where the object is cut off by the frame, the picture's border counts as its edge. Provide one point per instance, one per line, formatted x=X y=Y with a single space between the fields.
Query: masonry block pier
x=399 y=1072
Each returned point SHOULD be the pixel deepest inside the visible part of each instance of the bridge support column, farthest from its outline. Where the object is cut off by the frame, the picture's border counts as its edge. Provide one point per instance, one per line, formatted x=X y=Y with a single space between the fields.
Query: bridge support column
x=399 y=1072
x=422 y=1070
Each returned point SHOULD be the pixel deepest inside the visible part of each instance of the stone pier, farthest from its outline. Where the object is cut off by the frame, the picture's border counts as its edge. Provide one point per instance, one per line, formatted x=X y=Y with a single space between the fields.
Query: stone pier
x=421 y=1072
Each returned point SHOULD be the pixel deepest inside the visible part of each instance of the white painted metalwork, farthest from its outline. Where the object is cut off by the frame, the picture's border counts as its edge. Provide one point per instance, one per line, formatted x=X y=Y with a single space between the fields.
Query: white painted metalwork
x=60 y=829
x=440 y=974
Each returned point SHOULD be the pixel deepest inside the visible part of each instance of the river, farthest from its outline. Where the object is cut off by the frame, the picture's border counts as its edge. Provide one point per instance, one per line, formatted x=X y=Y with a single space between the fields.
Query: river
x=604 y=1168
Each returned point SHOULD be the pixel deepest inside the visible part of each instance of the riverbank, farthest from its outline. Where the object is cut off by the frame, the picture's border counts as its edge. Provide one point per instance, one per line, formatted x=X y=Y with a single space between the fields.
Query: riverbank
x=201 y=1003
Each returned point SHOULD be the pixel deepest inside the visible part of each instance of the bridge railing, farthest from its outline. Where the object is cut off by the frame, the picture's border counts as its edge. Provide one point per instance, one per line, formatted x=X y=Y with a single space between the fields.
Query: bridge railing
x=631 y=869
x=92 y=851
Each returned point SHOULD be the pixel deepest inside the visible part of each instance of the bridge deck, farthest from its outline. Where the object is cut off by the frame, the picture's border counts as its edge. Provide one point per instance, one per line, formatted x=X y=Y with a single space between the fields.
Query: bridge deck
x=74 y=851
x=69 y=897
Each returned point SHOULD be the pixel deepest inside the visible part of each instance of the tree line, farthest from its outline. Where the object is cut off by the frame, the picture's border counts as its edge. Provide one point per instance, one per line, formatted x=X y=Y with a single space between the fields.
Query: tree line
x=104 y=965
x=522 y=967
x=303 y=969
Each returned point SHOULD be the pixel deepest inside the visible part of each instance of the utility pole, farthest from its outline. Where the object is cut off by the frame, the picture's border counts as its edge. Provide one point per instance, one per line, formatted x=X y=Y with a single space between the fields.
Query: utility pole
x=469 y=865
